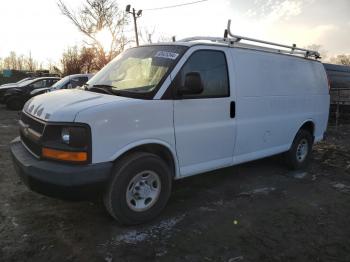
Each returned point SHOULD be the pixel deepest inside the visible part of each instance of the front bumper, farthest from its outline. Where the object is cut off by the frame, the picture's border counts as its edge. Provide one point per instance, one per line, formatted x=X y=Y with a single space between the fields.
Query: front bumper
x=59 y=180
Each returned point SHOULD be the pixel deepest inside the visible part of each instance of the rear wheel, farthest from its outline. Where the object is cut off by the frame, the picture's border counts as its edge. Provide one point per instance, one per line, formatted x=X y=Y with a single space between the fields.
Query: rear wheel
x=14 y=103
x=298 y=155
x=139 y=189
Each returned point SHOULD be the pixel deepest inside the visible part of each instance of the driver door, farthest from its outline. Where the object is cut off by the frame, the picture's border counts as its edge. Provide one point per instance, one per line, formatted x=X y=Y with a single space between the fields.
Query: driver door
x=204 y=124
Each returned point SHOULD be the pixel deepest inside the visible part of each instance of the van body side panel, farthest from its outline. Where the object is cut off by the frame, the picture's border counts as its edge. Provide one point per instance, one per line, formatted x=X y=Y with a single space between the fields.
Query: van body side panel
x=276 y=94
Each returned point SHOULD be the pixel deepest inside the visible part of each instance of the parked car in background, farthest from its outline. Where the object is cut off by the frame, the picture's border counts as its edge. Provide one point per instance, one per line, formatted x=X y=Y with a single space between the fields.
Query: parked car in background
x=16 y=96
x=339 y=82
x=338 y=76
x=5 y=87
x=71 y=81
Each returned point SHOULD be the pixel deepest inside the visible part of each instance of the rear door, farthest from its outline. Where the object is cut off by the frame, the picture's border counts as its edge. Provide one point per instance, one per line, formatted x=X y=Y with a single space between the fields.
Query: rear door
x=204 y=123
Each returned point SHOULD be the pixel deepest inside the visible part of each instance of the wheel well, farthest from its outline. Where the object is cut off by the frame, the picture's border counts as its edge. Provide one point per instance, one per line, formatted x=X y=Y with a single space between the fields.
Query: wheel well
x=163 y=152
x=309 y=126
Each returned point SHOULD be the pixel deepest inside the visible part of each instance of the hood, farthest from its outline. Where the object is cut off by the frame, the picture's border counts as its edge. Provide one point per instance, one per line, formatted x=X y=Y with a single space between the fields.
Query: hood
x=7 y=86
x=64 y=105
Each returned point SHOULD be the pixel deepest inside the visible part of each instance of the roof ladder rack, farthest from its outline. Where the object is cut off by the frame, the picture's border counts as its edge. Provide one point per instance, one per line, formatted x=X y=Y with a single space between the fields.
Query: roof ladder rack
x=292 y=48
x=231 y=39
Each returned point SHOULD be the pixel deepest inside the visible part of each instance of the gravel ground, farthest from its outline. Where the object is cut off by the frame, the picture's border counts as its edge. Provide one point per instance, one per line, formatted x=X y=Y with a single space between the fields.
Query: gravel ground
x=259 y=211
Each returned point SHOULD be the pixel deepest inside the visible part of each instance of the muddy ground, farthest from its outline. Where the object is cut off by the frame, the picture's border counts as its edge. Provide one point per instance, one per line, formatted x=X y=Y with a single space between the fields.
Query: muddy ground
x=259 y=211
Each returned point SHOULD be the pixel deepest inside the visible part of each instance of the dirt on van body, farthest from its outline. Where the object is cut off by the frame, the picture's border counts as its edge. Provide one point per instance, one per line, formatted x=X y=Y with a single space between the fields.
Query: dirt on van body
x=259 y=211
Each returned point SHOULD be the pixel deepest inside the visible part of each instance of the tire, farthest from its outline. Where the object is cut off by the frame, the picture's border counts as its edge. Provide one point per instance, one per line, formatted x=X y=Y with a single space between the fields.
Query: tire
x=14 y=103
x=299 y=154
x=127 y=199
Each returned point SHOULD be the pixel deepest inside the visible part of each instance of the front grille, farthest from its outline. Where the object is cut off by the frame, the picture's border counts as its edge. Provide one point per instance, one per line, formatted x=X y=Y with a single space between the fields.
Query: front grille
x=34 y=124
x=31 y=145
x=31 y=123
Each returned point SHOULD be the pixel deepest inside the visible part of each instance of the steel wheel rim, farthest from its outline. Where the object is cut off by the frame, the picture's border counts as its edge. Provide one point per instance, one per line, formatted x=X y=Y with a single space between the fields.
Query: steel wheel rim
x=302 y=150
x=143 y=191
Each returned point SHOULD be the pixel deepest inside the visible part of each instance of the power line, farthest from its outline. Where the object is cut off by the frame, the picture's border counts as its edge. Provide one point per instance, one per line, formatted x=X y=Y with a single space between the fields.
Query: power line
x=172 y=6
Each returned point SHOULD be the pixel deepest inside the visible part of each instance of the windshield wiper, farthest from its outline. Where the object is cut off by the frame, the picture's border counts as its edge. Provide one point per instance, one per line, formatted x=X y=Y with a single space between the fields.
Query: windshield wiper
x=104 y=88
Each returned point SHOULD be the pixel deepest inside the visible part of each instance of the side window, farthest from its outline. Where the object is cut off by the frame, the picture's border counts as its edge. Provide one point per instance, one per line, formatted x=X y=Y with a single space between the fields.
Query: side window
x=39 y=84
x=48 y=82
x=78 y=81
x=67 y=85
x=212 y=67
x=53 y=81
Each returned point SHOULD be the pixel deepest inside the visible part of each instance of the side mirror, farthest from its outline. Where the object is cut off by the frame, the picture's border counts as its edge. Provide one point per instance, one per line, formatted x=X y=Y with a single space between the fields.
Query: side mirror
x=193 y=84
x=69 y=86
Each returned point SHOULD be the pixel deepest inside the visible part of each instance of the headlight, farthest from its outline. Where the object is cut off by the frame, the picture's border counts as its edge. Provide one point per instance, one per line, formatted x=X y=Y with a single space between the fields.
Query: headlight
x=67 y=143
x=65 y=135
x=76 y=136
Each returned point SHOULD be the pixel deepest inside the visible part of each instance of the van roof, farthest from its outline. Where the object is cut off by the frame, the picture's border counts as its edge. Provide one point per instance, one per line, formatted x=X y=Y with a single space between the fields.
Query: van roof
x=232 y=40
x=236 y=45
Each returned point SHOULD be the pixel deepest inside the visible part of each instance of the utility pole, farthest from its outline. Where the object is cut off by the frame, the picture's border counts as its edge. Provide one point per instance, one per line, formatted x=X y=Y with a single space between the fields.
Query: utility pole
x=135 y=15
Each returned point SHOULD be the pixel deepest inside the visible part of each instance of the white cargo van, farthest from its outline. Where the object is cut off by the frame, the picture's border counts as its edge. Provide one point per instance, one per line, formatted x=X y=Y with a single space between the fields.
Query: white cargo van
x=167 y=111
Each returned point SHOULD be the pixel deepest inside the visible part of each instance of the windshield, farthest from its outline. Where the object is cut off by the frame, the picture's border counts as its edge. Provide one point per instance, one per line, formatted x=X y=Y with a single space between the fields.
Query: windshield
x=24 y=79
x=138 y=70
x=61 y=83
x=27 y=82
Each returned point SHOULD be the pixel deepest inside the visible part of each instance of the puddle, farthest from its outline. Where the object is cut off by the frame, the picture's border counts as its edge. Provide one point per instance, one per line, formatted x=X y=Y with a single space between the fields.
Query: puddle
x=163 y=229
x=341 y=187
x=300 y=175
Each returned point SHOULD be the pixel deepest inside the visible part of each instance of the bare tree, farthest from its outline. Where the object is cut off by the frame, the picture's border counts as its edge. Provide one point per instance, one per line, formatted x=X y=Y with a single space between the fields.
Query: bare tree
x=75 y=61
x=53 y=68
x=71 y=61
x=31 y=65
x=19 y=62
x=95 y=16
x=11 y=61
x=165 y=38
x=88 y=59
x=341 y=60
x=146 y=35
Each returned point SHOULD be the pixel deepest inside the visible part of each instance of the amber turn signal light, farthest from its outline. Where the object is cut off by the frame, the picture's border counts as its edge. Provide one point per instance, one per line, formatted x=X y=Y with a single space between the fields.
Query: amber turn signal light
x=64 y=155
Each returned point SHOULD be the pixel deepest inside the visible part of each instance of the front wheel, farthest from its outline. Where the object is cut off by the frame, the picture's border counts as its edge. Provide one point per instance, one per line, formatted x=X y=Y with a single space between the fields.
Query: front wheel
x=139 y=189
x=298 y=155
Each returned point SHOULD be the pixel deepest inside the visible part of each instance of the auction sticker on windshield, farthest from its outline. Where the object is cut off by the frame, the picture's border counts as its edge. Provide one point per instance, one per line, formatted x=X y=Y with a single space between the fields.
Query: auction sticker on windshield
x=168 y=55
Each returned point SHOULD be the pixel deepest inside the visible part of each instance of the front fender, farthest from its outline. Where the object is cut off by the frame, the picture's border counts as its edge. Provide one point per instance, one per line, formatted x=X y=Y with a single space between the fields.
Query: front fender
x=11 y=95
x=136 y=144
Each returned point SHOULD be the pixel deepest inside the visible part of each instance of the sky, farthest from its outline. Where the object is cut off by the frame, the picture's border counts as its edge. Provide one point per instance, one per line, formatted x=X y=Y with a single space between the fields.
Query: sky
x=39 y=28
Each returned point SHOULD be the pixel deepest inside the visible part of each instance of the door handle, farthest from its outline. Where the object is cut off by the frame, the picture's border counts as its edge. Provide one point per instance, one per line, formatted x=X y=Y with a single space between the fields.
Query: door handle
x=232 y=109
